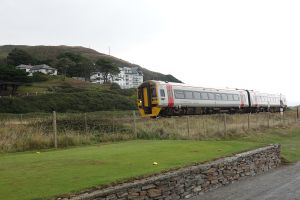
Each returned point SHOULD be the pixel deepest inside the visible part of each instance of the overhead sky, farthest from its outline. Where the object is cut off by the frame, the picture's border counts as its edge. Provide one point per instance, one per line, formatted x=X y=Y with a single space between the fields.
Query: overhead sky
x=237 y=44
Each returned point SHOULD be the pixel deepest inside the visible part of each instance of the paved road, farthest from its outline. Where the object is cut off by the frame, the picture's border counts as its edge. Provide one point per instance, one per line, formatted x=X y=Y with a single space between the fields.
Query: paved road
x=279 y=184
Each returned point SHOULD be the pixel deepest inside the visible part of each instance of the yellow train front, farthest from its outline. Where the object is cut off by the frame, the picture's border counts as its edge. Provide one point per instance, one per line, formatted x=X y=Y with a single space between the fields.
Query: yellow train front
x=148 y=101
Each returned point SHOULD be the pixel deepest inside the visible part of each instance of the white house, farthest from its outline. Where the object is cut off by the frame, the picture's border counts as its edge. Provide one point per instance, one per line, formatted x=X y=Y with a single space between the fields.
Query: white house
x=45 y=69
x=24 y=67
x=129 y=77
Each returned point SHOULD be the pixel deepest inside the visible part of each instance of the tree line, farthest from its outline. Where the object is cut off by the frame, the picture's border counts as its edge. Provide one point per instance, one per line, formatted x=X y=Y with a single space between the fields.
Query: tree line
x=68 y=64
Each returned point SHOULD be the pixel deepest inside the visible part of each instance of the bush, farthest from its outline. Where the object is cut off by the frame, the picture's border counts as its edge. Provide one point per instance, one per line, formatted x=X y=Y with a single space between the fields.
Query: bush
x=65 y=102
x=39 y=77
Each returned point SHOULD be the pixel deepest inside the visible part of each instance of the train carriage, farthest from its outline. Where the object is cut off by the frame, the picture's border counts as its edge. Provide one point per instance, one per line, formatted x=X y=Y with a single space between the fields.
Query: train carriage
x=158 y=98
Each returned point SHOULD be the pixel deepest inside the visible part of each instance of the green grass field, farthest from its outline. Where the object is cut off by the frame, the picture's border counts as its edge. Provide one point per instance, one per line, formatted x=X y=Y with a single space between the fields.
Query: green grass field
x=288 y=138
x=32 y=175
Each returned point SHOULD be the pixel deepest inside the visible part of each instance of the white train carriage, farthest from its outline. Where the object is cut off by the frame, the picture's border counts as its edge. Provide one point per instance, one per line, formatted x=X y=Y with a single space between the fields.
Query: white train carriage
x=266 y=102
x=161 y=98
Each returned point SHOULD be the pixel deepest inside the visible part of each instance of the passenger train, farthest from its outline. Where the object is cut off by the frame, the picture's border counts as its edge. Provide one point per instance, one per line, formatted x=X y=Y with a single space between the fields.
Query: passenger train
x=158 y=98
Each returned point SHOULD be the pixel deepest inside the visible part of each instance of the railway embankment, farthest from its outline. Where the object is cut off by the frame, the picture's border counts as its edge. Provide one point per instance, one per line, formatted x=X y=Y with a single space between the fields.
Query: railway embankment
x=187 y=182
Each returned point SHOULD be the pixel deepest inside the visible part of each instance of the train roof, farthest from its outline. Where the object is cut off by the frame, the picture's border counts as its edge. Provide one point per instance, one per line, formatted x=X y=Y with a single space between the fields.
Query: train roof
x=211 y=88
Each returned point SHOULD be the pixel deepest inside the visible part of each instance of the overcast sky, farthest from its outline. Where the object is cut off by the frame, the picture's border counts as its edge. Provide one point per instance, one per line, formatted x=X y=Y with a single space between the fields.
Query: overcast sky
x=237 y=44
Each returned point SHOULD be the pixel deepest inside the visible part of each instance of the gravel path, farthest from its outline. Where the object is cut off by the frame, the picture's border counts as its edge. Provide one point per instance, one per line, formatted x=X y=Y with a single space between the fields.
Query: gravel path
x=278 y=184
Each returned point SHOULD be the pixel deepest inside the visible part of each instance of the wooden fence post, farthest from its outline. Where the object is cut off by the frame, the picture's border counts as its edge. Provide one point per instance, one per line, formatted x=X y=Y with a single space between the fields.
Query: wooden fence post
x=134 y=124
x=268 y=119
x=21 y=118
x=225 y=125
x=297 y=113
x=55 y=129
x=188 y=125
x=249 y=120
x=85 y=123
x=113 y=124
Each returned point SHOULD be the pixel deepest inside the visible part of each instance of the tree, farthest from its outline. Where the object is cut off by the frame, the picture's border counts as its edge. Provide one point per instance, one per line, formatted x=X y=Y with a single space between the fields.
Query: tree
x=64 y=64
x=75 y=65
x=3 y=61
x=10 y=76
x=107 y=68
x=18 y=56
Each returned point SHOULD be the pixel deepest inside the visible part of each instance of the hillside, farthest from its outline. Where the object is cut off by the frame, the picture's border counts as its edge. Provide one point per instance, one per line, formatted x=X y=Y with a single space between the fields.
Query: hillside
x=50 y=53
x=68 y=95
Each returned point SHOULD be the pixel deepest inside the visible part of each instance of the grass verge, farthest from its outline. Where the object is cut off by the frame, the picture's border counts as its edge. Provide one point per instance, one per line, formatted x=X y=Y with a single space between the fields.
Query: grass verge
x=34 y=175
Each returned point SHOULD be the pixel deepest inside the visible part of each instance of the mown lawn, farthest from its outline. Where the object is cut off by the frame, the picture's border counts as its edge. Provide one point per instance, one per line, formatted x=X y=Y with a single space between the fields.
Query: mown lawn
x=33 y=175
x=288 y=138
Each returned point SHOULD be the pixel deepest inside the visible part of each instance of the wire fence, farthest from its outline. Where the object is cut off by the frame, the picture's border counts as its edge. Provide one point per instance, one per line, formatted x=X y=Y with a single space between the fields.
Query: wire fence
x=19 y=132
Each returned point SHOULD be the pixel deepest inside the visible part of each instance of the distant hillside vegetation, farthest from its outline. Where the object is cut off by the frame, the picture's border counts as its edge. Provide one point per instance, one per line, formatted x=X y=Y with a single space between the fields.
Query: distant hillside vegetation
x=49 y=54
x=68 y=95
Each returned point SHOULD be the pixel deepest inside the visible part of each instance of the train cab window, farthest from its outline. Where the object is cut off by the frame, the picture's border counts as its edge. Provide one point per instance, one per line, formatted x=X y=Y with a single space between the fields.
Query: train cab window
x=230 y=97
x=224 y=97
x=162 y=93
x=204 y=96
x=236 y=97
x=139 y=93
x=153 y=92
x=179 y=94
x=218 y=97
x=211 y=96
x=188 y=94
x=196 y=95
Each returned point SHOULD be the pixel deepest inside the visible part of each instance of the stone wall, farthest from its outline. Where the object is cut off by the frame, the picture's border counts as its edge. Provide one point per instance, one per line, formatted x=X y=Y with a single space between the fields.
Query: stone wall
x=190 y=181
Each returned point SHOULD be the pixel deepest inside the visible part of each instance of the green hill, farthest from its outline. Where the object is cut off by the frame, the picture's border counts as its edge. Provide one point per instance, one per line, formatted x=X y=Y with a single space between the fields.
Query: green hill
x=68 y=95
x=50 y=53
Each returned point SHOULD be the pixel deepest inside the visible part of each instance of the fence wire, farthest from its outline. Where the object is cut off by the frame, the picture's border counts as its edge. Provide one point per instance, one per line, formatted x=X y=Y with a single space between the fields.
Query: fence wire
x=19 y=132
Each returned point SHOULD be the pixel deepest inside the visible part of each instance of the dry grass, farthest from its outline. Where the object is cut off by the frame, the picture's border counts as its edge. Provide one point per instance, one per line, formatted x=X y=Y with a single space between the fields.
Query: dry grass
x=35 y=131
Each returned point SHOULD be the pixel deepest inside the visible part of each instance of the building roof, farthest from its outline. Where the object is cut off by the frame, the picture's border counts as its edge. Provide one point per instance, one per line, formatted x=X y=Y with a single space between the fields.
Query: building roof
x=43 y=66
x=22 y=66
x=35 y=67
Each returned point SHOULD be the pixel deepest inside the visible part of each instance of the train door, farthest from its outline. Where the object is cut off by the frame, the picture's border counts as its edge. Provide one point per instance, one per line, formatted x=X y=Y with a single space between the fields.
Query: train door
x=145 y=95
x=163 y=96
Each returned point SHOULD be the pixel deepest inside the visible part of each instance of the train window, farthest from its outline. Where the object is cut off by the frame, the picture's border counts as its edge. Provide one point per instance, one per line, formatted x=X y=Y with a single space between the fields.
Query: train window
x=162 y=93
x=196 y=95
x=139 y=93
x=211 y=96
x=230 y=97
x=153 y=92
x=236 y=97
x=218 y=97
x=224 y=97
x=188 y=94
x=204 y=96
x=179 y=94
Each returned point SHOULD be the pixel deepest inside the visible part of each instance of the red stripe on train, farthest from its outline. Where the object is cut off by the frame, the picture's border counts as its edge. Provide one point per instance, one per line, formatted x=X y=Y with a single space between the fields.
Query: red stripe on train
x=170 y=96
